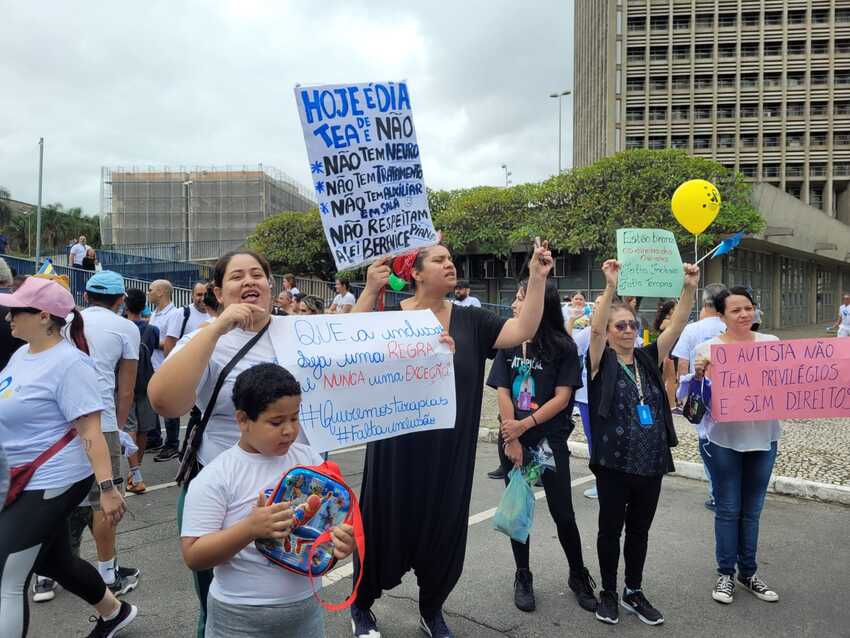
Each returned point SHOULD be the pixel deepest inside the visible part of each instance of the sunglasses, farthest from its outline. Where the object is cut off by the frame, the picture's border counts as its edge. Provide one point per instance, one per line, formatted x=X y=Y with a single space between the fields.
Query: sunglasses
x=631 y=324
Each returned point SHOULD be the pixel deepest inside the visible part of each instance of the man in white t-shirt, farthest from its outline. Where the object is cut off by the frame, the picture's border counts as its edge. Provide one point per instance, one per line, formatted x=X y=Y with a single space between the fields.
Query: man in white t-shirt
x=344 y=300
x=159 y=295
x=114 y=345
x=188 y=319
x=462 y=296
x=77 y=252
x=843 y=323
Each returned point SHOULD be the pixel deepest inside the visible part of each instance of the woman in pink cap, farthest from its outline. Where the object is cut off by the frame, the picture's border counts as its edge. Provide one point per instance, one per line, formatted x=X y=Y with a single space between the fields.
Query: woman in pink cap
x=50 y=429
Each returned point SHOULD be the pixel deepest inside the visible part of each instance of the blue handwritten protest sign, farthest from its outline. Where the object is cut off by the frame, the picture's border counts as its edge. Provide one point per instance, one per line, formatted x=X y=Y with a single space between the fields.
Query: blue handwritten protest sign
x=367 y=376
x=366 y=169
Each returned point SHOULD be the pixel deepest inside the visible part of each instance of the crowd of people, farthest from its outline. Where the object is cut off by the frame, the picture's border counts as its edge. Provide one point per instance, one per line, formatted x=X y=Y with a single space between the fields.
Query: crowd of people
x=81 y=390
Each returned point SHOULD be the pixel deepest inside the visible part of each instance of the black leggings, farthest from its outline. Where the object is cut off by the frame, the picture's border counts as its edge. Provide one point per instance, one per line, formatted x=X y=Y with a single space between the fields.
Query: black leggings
x=630 y=499
x=556 y=484
x=34 y=537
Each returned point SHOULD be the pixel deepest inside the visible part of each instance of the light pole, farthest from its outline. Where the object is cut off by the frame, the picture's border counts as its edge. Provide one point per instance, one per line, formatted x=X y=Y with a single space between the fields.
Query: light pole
x=558 y=97
x=507 y=175
x=38 y=210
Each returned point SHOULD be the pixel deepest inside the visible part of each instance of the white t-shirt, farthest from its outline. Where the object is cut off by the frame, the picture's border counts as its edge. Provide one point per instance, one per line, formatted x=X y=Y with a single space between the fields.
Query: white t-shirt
x=468 y=302
x=222 y=431
x=161 y=319
x=696 y=333
x=41 y=395
x=743 y=436
x=343 y=300
x=294 y=291
x=78 y=251
x=175 y=321
x=111 y=338
x=582 y=339
x=224 y=493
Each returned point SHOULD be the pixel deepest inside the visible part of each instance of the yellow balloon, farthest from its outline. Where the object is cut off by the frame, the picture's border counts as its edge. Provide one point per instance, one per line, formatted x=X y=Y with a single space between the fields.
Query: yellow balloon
x=695 y=204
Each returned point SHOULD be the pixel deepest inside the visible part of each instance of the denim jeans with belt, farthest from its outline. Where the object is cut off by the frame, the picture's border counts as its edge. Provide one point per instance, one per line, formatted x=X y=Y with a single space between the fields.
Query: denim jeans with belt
x=740 y=483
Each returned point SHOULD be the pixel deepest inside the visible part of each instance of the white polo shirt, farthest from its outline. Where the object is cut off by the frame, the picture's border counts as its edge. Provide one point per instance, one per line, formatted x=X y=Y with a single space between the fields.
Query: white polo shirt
x=161 y=319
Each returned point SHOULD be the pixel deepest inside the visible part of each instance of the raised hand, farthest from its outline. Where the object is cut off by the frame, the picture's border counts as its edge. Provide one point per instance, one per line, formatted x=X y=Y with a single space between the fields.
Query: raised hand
x=611 y=270
x=691 y=276
x=541 y=261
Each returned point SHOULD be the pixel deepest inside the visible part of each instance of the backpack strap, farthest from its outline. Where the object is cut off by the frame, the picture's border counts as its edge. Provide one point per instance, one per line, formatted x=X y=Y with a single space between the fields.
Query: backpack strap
x=187 y=311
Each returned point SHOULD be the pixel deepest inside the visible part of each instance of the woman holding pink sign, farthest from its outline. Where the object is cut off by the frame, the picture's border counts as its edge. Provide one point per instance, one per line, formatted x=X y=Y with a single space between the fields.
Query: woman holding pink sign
x=740 y=457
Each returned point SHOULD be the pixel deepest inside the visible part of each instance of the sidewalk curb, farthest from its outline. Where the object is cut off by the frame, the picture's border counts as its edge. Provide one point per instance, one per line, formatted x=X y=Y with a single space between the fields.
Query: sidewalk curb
x=783 y=485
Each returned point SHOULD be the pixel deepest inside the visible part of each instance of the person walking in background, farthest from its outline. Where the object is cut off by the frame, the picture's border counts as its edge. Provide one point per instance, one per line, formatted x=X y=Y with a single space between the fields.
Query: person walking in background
x=77 y=252
x=843 y=321
x=462 y=296
x=159 y=295
x=289 y=285
x=90 y=261
x=709 y=326
x=344 y=300
x=187 y=319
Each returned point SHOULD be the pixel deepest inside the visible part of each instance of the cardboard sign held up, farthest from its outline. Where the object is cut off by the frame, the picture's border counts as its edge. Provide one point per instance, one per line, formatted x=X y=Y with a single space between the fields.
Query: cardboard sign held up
x=650 y=265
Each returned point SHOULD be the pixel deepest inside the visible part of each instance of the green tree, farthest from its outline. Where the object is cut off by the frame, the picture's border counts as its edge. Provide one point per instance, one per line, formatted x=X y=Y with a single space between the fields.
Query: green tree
x=294 y=242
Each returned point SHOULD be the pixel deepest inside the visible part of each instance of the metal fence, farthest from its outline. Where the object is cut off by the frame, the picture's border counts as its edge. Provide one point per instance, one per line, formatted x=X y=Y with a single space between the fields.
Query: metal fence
x=178 y=251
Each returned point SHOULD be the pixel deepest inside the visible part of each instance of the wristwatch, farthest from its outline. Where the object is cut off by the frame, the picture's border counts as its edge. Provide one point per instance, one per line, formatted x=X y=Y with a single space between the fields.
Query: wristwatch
x=106 y=485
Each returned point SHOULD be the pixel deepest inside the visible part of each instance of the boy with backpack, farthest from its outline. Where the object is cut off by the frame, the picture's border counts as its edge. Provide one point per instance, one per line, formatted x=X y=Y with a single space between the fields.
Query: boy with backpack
x=225 y=512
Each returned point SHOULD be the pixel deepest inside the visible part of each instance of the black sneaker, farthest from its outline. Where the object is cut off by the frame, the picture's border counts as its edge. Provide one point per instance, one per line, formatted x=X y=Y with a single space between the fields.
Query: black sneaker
x=637 y=603
x=497 y=474
x=166 y=454
x=127 y=572
x=758 y=588
x=44 y=589
x=123 y=585
x=154 y=447
x=110 y=628
x=363 y=623
x=607 y=610
x=583 y=585
x=524 y=590
x=711 y=505
x=724 y=590
x=435 y=626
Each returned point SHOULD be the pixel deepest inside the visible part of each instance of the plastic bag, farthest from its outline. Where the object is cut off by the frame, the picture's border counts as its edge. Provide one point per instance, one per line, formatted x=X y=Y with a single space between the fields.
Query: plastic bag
x=128 y=445
x=515 y=513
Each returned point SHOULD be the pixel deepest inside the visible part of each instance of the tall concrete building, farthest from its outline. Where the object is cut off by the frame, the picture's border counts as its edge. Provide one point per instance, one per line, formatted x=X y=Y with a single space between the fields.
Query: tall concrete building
x=202 y=211
x=761 y=86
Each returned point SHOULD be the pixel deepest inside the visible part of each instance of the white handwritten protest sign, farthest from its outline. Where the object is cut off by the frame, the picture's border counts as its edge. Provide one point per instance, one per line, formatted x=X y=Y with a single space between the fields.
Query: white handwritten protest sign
x=367 y=376
x=366 y=169
x=650 y=265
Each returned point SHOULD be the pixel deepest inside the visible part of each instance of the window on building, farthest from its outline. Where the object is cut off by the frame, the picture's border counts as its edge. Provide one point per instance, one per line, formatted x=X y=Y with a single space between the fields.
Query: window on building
x=817 y=139
x=774 y=18
x=682 y=53
x=681 y=82
x=635 y=54
x=772 y=49
x=820 y=16
x=704 y=51
x=725 y=111
x=679 y=141
x=658 y=54
x=749 y=50
x=702 y=141
x=748 y=170
x=657 y=142
x=681 y=113
x=818 y=109
x=797 y=47
x=635 y=141
x=770 y=140
x=727 y=81
x=841 y=138
x=817 y=170
x=770 y=170
x=658 y=83
x=750 y=81
x=634 y=85
x=659 y=23
x=794 y=140
x=726 y=141
x=704 y=82
x=749 y=110
x=750 y=19
x=820 y=78
x=842 y=47
x=794 y=17
x=795 y=109
x=820 y=47
x=842 y=16
x=705 y=22
x=794 y=189
x=842 y=78
x=702 y=112
x=842 y=169
x=658 y=113
x=725 y=20
x=749 y=141
x=634 y=114
x=636 y=24
x=772 y=80
x=793 y=170
x=841 y=108
x=727 y=51
x=815 y=197
x=681 y=23
x=796 y=79
x=772 y=110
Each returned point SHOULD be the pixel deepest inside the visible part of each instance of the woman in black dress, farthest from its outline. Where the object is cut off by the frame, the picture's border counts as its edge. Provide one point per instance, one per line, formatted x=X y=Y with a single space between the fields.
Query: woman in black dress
x=417 y=487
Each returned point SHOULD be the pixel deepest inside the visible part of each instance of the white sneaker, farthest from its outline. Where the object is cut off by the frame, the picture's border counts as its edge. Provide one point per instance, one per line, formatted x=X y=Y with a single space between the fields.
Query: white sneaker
x=757 y=587
x=724 y=590
x=591 y=492
x=44 y=589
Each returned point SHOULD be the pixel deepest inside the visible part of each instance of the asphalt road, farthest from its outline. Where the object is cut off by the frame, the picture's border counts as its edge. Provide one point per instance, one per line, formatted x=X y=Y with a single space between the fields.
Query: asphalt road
x=804 y=555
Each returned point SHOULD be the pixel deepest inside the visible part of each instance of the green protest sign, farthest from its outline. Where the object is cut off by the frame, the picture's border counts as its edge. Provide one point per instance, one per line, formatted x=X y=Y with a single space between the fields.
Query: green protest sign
x=650 y=265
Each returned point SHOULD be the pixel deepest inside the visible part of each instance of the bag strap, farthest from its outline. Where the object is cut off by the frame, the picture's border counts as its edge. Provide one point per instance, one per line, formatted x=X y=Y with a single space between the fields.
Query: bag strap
x=186 y=312
x=53 y=450
x=355 y=519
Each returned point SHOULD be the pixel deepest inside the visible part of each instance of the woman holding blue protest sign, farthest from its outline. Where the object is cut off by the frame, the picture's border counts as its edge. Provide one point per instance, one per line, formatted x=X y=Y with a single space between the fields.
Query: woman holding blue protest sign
x=535 y=383
x=417 y=488
x=739 y=456
x=632 y=433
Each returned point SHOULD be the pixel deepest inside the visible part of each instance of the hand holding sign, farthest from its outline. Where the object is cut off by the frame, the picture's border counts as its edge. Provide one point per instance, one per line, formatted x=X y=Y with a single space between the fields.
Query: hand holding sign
x=611 y=270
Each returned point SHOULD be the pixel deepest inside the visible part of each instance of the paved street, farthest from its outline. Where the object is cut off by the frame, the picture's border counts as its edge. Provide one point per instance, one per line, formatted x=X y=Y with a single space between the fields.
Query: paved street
x=804 y=555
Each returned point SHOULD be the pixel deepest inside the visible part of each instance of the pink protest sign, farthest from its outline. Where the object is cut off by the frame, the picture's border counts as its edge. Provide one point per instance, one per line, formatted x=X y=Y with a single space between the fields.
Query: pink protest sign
x=797 y=379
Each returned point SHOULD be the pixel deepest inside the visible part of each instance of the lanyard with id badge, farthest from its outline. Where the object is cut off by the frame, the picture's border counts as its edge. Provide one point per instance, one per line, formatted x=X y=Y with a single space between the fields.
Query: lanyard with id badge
x=644 y=412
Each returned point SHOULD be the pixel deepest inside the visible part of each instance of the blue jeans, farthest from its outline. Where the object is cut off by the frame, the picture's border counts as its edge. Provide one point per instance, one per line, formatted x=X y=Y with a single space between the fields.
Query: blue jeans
x=702 y=443
x=740 y=485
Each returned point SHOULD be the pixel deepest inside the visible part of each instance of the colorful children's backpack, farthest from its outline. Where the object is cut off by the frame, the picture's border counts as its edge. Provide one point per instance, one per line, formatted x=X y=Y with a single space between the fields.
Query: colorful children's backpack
x=321 y=501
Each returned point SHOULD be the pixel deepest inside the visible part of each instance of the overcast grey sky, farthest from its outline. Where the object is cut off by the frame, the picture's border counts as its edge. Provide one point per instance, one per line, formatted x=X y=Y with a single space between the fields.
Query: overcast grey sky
x=194 y=83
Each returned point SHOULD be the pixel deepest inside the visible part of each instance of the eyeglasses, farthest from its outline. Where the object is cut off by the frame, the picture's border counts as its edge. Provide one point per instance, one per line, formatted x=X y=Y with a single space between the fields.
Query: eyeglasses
x=631 y=324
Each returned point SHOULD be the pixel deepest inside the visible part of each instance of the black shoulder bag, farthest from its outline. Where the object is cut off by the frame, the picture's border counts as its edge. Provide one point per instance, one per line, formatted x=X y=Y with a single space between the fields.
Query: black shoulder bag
x=189 y=466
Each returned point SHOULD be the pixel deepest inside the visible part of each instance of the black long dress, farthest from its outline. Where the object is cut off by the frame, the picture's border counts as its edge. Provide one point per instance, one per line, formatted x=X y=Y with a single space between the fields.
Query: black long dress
x=417 y=487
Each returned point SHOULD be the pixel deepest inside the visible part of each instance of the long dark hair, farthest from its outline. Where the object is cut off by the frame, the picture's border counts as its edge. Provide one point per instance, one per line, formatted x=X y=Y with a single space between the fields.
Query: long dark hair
x=224 y=261
x=75 y=330
x=551 y=340
x=664 y=311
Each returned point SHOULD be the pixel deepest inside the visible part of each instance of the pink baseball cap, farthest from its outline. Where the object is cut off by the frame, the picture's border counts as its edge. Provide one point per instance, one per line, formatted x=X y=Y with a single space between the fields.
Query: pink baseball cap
x=41 y=294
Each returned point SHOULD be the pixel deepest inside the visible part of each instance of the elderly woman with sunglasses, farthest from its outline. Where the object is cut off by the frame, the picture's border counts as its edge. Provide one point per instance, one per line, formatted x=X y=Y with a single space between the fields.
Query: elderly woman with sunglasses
x=631 y=436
